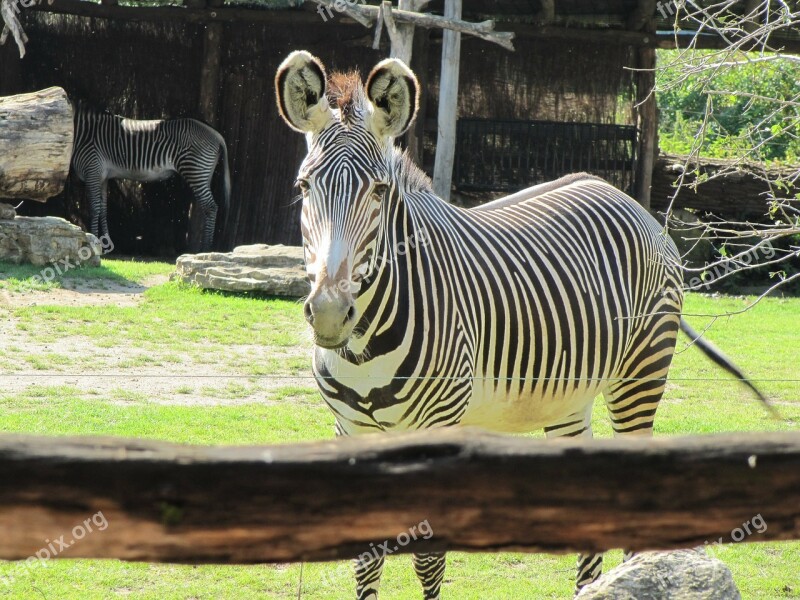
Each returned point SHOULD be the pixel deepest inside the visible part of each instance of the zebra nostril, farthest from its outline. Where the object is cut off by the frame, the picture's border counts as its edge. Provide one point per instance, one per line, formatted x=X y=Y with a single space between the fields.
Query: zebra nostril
x=351 y=314
x=308 y=313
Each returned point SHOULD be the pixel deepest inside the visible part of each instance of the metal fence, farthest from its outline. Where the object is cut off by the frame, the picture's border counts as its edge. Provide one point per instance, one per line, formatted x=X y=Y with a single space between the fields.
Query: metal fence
x=509 y=155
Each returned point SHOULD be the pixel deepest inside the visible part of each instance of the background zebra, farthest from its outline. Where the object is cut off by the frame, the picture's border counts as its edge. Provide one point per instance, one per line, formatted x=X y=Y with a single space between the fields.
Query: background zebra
x=110 y=147
x=512 y=316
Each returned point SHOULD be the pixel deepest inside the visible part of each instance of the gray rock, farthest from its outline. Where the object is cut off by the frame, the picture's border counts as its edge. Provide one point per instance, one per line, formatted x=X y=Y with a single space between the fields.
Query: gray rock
x=7 y=211
x=277 y=270
x=45 y=240
x=677 y=575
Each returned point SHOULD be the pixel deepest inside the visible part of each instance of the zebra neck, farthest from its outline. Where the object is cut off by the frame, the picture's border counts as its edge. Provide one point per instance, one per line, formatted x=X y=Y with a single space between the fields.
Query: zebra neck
x=386 y=297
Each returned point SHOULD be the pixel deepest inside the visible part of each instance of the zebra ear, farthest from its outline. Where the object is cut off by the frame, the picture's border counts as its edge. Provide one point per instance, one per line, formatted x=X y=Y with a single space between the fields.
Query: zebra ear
x=300 y=90
x=394 y=92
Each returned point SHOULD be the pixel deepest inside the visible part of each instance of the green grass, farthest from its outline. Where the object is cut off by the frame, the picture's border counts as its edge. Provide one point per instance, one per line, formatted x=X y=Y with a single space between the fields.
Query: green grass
x=17 y=278
x=176 y=323
x=173 y=317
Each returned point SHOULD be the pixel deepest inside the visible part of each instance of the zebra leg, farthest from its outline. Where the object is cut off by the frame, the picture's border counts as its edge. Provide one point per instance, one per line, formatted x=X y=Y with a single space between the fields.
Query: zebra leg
x=104 y=210
x=632 y=400
x=97 y=192
x=205 y=200
x=369 y=569
x=579 y=424
x=430 y=570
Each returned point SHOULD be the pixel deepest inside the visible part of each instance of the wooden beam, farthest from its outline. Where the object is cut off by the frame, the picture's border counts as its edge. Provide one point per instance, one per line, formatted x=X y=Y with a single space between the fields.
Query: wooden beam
x=401 y=36
x=208 y=14
x=448 y=104
x=209 y=110
x=547 y=12
x=647 y=124
x=633 y=38
x=642 y=15
x=483 y=30
x=304 y=17
x=328 y=500
x=415 y=138
x=36 y=132
x=669 y=41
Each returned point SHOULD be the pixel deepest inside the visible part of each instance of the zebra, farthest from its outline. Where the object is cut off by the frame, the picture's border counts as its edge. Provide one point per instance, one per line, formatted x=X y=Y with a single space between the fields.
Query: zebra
x=512 y=316
x=109 y=146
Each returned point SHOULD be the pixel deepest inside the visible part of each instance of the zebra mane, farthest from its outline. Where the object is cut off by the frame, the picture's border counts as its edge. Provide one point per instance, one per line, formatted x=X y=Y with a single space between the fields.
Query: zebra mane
x=346 y=92
x=408 y=175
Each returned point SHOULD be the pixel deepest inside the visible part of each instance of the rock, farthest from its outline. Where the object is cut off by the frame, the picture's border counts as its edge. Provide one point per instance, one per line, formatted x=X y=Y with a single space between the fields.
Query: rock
x=677 y=575
x=7 y=211
x=45 y=240
x=276 y=270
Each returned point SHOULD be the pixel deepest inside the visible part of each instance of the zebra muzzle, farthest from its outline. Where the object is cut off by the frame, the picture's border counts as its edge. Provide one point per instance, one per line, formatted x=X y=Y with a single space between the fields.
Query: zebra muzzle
x=331 y=316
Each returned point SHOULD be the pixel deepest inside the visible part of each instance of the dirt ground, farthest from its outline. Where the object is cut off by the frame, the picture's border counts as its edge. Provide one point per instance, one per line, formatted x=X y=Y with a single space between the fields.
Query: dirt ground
x=126 y=373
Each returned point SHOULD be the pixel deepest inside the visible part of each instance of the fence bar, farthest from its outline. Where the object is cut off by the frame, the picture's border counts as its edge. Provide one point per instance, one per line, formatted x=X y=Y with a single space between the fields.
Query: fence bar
x=326 y=500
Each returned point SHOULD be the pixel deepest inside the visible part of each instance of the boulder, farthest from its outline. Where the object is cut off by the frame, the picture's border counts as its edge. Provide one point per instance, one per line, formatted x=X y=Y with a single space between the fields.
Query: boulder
x=42 y=241
x=7 y=211
x=677 y=575
x=276 y=270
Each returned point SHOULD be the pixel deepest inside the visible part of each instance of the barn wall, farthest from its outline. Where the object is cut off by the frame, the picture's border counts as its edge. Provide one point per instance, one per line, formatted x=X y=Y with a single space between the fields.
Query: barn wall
x=152 y=70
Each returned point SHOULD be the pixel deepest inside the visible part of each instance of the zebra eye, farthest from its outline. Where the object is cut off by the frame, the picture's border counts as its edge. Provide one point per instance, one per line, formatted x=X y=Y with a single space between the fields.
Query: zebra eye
x=380 y=189
x=302 y=184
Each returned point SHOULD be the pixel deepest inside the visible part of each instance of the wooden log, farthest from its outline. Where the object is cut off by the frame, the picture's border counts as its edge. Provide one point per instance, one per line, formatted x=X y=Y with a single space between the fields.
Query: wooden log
x=742 y=192
x=328 y=500
x=448 y=104
x=35 y=144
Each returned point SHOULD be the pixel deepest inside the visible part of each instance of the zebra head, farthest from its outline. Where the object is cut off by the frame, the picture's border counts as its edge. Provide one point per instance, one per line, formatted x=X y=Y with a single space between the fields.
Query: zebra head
x=345 y=178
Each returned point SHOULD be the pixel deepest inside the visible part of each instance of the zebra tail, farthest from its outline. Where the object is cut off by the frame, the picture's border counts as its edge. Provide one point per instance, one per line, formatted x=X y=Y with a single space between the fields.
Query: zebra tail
x=226 y=178
x=716 y=356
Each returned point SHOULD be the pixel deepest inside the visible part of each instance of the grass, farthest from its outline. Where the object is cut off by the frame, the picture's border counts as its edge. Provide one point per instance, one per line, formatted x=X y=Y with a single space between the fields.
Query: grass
x=174 y=316
x=17 y=278
x=176 y=329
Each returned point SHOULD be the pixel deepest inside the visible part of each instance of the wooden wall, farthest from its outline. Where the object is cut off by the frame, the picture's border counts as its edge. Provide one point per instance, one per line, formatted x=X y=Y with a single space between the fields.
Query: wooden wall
x=153 y=69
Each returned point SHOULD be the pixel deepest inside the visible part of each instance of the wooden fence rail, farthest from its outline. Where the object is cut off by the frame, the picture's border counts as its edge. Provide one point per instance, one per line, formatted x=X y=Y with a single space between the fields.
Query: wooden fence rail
x=460 y=489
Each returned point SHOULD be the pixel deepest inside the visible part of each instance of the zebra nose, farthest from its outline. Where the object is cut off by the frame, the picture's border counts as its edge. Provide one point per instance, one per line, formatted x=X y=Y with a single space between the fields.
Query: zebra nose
x=308 y=312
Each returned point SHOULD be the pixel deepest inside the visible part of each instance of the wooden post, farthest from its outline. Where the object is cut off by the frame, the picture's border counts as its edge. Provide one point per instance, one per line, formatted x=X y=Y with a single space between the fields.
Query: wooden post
x=208 y=107
x=209 y=78
x=415 y=138
x=647 y=123
x=448 y=104
x=35 y=144
x=402 y=38
x=478 y=492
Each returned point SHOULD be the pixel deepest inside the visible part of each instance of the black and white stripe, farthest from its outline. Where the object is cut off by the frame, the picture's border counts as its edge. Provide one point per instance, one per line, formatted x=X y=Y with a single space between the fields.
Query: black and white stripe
x=108 y=146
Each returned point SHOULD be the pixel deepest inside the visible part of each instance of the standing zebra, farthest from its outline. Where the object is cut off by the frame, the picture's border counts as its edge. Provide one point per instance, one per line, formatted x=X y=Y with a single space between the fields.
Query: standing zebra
x=512 y=316
x=109 y=147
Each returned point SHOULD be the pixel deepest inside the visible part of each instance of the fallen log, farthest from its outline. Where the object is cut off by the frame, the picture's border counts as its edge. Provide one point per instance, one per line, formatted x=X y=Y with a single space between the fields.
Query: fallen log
x=36 y=132
x=734 y=190
x=473 y=491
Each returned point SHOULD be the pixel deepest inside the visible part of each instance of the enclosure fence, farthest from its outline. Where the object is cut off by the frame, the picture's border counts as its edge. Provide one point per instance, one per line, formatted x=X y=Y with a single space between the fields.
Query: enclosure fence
x=510 y=155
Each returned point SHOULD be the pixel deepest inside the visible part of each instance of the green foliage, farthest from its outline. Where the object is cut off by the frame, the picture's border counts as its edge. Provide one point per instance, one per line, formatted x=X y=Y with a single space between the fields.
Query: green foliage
x=752 y=105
